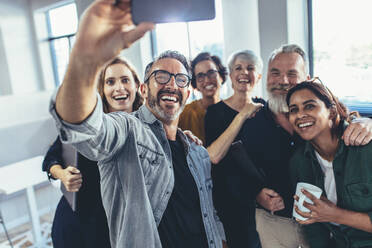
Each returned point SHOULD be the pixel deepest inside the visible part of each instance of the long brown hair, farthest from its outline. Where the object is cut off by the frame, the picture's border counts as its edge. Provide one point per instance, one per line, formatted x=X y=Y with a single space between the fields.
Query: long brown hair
x=341 y=114
x=138 y=101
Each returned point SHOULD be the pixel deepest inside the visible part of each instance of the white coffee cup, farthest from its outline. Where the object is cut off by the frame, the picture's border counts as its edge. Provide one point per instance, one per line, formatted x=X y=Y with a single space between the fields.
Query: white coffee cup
x=314 y=190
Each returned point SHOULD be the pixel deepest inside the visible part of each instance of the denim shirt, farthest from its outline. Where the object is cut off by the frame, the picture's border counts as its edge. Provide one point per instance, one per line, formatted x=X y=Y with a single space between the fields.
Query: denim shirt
x=137 y=179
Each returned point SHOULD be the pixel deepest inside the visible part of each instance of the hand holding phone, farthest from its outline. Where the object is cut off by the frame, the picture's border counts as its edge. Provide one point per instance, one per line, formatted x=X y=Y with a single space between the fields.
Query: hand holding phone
x=160 y=11
x=106 y=26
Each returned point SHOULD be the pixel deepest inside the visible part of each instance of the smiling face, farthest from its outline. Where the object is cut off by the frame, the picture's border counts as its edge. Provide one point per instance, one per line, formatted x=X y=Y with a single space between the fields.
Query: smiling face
x=166 y=101
x=208 y=86
x=309 y=115
x=119 y=88
x=285 y=71
x=244 y=75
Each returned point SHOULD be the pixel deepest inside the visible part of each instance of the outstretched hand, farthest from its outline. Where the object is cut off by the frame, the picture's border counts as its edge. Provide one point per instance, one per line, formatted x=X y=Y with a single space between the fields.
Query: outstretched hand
x=105 y=29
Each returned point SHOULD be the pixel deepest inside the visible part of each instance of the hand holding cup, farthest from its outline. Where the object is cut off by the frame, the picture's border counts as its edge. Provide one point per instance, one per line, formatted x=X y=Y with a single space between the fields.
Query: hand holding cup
x=315 y=191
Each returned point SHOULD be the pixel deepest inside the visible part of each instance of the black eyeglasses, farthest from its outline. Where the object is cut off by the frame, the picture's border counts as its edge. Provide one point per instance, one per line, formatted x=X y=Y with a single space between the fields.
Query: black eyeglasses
x=163 y=77
x=211 y=74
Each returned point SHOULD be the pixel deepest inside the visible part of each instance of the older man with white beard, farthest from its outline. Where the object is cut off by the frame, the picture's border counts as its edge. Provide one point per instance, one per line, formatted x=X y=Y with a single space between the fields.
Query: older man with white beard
x=156 y=185
x=288 y=67
x=269 y=141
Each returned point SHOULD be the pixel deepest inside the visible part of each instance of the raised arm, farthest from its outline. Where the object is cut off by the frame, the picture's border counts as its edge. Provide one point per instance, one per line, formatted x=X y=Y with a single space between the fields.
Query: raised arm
x=105 y=29
x=219 y=148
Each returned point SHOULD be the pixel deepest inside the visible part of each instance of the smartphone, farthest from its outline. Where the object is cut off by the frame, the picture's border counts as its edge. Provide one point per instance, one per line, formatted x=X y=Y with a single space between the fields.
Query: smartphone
x=162 y=11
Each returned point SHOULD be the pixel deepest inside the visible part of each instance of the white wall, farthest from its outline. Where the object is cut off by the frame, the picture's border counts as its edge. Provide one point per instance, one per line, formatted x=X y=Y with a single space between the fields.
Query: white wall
x=241 y=30
x=5 y=83
x=262 y=26
x=17 y=39
x=24 y=108
x=273 y=30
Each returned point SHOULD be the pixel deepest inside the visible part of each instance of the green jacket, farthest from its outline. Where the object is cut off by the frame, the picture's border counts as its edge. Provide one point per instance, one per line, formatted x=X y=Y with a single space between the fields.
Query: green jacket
x=352 y=168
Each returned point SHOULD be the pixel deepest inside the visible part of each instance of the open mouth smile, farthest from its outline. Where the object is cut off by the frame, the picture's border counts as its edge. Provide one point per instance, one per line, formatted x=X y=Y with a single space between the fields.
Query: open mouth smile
x=210 y=87
x=244 y=81
x=121 y=97
x=305 y=125
x=169 y=98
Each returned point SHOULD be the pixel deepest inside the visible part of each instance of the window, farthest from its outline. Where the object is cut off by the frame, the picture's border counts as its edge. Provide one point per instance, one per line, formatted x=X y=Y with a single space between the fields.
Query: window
x=191 y=38
x=342 y=50
x=62 y=25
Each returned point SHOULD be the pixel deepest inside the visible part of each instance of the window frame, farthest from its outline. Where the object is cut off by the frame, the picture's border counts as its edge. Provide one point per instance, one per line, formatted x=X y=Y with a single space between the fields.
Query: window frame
x=365 y=109
x=50 y=39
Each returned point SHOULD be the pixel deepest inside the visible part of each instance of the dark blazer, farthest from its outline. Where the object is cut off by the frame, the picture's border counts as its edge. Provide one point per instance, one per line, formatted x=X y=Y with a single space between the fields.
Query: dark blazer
x=87 y=226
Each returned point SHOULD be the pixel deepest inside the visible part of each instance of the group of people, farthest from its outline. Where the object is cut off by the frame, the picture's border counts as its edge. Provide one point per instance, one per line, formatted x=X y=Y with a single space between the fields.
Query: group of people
x=154 y=186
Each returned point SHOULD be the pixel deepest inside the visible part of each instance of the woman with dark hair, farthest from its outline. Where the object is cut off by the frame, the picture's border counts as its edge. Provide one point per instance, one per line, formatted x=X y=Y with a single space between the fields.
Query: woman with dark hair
x=342 y=217
x=208 y=74
x=87 y=226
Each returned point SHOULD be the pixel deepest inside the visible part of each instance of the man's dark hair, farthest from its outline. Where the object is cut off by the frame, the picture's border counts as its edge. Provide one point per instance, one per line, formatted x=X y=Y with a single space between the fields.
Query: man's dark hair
x=168 y=54
x=222 y=70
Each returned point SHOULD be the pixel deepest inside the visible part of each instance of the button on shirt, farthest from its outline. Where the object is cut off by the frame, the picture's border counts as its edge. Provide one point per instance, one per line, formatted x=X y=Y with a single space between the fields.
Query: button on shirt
x=135 y=164
x=352 y=171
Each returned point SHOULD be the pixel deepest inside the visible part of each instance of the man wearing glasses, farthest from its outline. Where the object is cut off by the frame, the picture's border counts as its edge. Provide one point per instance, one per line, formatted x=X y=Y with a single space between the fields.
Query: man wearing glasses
x=156 y=185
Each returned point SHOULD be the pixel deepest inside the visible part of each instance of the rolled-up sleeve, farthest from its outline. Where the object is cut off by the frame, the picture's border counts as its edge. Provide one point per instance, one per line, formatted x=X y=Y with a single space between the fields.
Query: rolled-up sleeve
x=97 y=137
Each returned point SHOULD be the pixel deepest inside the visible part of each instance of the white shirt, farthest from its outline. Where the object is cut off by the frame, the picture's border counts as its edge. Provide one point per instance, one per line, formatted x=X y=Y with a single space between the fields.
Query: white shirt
x=329 y=178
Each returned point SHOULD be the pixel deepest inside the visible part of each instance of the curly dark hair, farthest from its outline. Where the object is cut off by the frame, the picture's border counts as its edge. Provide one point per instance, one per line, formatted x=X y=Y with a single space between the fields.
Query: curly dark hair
x=222 y=70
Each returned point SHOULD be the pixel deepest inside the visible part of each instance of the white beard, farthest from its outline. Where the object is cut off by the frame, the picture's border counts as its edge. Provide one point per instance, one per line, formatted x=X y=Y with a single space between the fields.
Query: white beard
x=277 y=103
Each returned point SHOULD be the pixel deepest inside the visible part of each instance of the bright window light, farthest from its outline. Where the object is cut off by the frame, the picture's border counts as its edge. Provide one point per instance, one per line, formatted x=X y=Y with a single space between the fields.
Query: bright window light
x=63 y=20
x=62 y=25
x=343 y=48
x=172 y=36
x=193 y=37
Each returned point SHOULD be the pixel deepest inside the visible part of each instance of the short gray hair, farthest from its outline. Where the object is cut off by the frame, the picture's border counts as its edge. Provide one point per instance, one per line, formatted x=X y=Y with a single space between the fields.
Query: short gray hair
x=290 y=48
x=168 y=54
x=247 y=55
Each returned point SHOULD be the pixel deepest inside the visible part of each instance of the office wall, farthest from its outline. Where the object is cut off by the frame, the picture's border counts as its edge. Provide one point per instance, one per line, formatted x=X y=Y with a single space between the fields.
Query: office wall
x=5 y=84
x=17 y=39
x=262 y=26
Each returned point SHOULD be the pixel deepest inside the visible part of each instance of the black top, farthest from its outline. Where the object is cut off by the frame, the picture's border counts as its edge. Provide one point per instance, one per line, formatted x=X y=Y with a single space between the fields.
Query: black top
x=89 y=201
x=269 y=146
x=182 y=224
x=91 y=225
